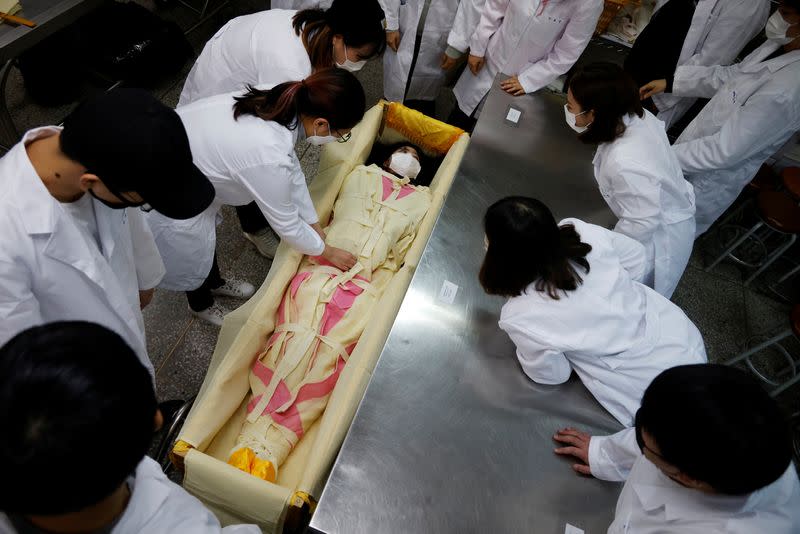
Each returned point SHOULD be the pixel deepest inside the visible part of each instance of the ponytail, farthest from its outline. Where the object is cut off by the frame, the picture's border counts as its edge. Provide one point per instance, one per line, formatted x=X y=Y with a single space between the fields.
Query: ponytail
x=359 y=22
x=526 y=246
x=333 y=94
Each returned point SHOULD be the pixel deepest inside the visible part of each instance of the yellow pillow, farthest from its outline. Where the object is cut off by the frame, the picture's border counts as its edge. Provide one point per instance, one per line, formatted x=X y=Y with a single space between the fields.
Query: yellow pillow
x=427 y=133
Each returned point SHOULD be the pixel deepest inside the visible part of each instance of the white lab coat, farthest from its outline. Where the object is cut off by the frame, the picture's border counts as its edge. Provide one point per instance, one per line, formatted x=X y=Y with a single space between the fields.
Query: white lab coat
x=755 y=109
x=261 y=49
x=159 y=506
x=301 y=4
x=614 y=332
x=51 y=272
x=642 y=182
x=537 y=41
x=246 y=160
x=652 y=503
x=428 y=76
x=719 y=31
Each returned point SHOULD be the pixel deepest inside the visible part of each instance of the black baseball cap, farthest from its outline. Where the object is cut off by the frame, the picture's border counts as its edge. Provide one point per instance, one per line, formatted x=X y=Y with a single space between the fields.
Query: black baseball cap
x=134 y=143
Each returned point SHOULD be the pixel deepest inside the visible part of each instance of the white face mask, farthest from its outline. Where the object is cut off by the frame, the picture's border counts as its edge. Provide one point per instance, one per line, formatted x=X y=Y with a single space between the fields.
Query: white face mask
x=319 y=140
x=352 y=66
x=571 y=119
x=405 y=165
x=485 y=243
x=776 y=29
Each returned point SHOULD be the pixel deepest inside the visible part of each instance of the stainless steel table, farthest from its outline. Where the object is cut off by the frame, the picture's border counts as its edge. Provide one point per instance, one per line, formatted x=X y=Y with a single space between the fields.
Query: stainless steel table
x=451 y=436
x=49 y=16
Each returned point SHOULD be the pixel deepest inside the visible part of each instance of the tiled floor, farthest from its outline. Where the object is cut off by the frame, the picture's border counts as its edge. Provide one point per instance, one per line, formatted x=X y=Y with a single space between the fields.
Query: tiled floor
x=729 y=315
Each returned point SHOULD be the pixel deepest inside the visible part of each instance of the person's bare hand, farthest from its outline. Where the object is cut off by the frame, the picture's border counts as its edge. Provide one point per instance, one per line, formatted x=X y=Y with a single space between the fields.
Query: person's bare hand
x=577 y=446
x=448 y=62
x=652 y=88
x=393 y=39
x=145 y=297
x=475 y=64
x=340 y=258
x=318 y=228
x=512 y=86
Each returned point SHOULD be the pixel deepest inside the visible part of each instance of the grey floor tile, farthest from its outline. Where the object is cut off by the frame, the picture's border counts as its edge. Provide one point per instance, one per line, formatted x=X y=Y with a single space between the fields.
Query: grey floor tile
x=707 y=250
x=716 y=306
x=182 y=373
x=165 y=321
x=765 y=314
x=251 y=267
x=230 y=240
x=371 y=77
x=310 y=162
x=170 y=96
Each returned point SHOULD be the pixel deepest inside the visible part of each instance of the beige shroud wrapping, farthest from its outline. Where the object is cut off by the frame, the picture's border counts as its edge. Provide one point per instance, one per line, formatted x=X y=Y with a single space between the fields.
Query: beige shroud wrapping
x=219 y=411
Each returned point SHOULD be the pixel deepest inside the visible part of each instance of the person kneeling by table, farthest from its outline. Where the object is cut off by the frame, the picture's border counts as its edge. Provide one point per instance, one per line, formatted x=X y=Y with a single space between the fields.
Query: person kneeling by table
x=710 y=453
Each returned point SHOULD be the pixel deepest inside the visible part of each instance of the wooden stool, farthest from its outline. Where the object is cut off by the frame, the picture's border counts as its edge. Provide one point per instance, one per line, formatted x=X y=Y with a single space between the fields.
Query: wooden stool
x=778 y=213
x=790 y=177
x=792 y=368
x=765 y=180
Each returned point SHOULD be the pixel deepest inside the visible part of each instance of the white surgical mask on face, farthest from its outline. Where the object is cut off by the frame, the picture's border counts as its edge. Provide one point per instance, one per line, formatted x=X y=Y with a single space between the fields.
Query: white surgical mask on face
x=405 y=165
x=319 y=140
x=485 y=243
x=776 y=29
x=352 y=66
x=571 y=119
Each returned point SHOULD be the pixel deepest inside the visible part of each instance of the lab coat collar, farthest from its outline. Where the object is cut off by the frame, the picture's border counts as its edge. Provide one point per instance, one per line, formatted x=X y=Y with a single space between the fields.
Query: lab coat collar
x=602 y=147
x=149 y=491
x=32 y=196
x=680 y=502
x=44 y=215
x=756 y=60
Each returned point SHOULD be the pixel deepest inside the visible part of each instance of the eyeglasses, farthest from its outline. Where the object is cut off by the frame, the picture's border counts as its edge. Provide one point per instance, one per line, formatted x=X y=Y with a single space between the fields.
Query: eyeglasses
x=344 y=138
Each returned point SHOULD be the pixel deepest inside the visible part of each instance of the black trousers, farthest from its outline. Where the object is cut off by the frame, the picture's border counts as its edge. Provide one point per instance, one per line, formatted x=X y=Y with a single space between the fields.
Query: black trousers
x=426 y=107
x=251 y=219
x=461 y=120
x=201 y=298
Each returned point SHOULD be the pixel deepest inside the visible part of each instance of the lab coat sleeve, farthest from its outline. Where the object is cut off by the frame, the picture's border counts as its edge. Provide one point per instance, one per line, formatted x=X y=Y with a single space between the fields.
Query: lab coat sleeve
x=738 y=22
x=241 y=529
x=272 y=189
x=540 y=362
x=612 y=457
x=702 y=81
x=468 y=15
x=492 y=16
x=19 y=308
x=566 y=51
x=391 y=11
x=302 y=198
x=637 y=199
x=632 y=255
x=149 y=265
x=762 y=121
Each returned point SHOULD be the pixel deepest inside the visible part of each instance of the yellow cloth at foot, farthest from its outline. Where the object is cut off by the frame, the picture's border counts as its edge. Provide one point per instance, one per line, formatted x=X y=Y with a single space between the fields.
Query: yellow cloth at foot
x=246 y=460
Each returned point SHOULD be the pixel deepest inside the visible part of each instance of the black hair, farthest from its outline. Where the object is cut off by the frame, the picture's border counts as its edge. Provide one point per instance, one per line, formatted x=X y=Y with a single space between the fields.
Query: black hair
x=717 y=425
x=359 y=22
x=794 y=4
x=333 y=94
x=611 y=93
x=526 y=245
x=77 y=411
x=430 y=166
